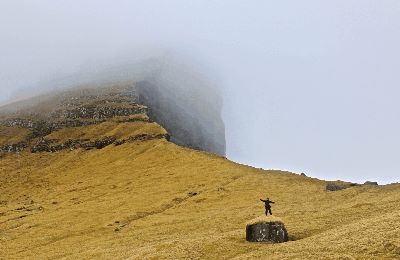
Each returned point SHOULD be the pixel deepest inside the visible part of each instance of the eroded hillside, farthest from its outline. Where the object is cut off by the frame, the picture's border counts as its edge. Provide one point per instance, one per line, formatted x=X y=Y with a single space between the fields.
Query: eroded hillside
x=139 y=196
x=82 y=118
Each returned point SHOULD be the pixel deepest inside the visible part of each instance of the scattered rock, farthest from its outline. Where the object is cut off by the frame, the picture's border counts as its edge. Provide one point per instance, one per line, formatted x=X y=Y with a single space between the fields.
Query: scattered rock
x=266 y=229
x=330 y=186
x=119 y=142
x=97 y=111
x=99 y=144
x=17 y=122
x=13 y=148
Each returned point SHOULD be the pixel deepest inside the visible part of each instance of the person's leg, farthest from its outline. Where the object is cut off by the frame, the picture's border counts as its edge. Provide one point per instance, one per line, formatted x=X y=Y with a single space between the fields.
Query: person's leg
x=270 y=211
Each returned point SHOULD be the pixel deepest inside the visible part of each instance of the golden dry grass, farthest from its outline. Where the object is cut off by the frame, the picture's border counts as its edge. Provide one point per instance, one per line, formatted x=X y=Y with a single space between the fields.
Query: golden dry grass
x=137 y=201
x=12 y=135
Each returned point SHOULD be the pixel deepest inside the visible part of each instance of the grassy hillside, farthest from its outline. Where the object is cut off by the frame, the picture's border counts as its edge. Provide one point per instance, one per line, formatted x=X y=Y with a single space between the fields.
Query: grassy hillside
x=153 y=199
x=87 y=175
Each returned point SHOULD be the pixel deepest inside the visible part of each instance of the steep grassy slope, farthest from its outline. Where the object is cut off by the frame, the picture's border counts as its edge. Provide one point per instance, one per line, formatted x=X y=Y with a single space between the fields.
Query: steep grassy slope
x=120 y=131
x=153 y=199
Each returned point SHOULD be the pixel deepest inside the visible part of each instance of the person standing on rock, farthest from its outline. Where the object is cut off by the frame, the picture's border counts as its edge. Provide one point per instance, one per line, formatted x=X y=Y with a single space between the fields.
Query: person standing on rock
x=267 y=206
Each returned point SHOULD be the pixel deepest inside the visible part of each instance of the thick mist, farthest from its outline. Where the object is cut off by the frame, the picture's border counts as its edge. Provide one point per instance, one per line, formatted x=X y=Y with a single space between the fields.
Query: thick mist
x=308 y=86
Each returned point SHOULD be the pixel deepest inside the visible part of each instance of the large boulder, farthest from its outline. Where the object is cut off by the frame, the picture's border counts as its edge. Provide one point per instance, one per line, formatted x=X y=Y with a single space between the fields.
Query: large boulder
x=266 y=229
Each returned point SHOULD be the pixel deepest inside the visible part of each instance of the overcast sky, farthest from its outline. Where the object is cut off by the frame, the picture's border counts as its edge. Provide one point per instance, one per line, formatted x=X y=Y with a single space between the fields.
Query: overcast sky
x=309 y=86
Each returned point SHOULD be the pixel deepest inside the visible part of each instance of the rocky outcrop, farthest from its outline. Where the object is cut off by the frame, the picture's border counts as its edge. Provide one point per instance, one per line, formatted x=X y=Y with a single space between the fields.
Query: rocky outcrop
x=330 y=186
x=374 y=183
x=339 y=185
x=142 y=137
x=17 y=122
x=13 y=148
x=42 y=128
x=99 y=112
x=46 y=145
x=266 y=229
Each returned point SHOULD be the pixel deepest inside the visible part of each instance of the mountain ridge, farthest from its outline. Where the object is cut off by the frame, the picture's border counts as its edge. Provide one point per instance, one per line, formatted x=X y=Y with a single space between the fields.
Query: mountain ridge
x=107 y=107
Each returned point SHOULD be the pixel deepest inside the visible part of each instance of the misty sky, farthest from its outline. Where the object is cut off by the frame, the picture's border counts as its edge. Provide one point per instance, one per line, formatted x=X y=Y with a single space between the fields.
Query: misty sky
x=309 y=86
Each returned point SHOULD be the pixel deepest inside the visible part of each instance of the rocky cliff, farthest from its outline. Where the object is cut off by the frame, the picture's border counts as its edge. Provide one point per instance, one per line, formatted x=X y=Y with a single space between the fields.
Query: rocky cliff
x=192 y=118
x=95 y=117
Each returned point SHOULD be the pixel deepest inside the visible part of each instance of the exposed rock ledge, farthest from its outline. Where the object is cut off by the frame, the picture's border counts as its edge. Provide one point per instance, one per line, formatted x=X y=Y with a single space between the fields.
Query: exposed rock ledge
x=266 y=229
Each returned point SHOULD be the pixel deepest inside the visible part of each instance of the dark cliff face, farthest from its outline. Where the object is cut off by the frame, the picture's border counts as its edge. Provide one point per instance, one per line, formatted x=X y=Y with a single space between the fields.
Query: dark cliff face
x=191 y=116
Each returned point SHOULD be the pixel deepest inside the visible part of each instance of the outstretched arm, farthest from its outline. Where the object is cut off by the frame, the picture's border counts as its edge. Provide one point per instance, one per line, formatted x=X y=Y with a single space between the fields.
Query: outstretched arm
x=272 y=202
x=263 y=200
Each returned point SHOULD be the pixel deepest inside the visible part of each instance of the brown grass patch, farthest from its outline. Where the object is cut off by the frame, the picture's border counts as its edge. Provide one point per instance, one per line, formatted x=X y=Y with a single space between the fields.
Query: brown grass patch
x=13 y=135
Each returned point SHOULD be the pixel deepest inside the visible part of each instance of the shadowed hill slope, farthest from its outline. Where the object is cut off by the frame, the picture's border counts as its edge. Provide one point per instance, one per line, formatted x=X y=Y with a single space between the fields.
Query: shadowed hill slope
x=139 y=196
